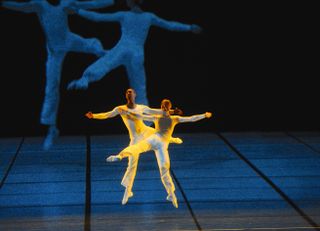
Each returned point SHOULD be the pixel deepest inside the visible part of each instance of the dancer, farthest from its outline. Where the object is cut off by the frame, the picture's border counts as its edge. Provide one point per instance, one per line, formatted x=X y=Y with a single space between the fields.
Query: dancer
x=159 y=142
x=137 y=132
x=59 y=41
x=129 y=51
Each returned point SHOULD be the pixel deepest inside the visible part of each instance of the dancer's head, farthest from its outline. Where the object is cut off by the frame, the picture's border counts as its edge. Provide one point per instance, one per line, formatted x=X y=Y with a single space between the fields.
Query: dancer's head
x=134 y=3
x=130 y=95
x=166 y=105
x=58 y=2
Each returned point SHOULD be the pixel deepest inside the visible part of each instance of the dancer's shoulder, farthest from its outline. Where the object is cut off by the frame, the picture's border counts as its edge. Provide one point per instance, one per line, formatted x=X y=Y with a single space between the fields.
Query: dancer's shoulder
x=175 y=118
x=122 y=106
x=141 y=106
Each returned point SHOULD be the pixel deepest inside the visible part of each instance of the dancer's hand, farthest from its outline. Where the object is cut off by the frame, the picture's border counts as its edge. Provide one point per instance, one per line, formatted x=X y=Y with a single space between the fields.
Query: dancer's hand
x=89 y=115
x=176 y=111
x=196 y=29
x=208 y=114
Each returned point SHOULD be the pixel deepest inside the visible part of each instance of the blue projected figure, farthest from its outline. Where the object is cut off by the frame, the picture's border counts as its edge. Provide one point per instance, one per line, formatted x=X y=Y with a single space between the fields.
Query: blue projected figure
x=129 y=51
x=59 y=41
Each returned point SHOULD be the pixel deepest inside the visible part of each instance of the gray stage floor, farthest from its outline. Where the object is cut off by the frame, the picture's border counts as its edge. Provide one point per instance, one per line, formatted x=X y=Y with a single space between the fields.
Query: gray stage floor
x=227 y=181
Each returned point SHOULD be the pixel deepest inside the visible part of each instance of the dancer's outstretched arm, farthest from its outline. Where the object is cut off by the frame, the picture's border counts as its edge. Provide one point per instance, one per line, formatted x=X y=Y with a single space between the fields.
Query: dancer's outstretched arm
x=174 y=26
x=26 y=7
x=93 y=4
x=152 y=111
x=100 y=17
x=155 y=111
x=103 y=115
x=194 y=118
x=150 y=118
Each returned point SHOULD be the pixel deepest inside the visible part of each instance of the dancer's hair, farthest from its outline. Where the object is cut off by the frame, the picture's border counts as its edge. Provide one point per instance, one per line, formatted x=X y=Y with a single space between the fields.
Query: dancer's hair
x=166 y=105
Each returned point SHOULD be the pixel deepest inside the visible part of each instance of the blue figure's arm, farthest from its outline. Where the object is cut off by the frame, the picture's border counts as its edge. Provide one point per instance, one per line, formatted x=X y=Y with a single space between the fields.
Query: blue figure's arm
x=27 y=7
x=101 y=17
x=170 y=25
x=94 y=4
x=175 y=26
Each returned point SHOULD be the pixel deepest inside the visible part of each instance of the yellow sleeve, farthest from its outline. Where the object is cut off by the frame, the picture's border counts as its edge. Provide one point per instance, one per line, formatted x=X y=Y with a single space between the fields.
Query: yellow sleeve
x=194 y=118
x=106 y=115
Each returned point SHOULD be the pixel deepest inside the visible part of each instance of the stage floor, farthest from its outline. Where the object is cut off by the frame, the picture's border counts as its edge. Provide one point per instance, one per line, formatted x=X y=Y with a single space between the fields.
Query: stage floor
x=227 y=181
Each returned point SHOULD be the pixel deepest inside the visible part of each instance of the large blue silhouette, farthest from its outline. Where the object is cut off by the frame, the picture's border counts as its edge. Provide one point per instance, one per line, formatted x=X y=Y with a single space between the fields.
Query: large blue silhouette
x=59 y=41
x=129 y=51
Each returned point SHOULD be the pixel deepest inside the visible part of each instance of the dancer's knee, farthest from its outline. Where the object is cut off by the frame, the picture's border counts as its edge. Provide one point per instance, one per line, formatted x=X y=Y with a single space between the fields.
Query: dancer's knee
x=132 y=166
x=124 y=154
x=164 y=169
x=133 y=161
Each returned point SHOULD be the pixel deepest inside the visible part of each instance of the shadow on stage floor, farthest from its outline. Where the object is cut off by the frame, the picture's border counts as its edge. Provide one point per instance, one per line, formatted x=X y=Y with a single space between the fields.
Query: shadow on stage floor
x=224 y=181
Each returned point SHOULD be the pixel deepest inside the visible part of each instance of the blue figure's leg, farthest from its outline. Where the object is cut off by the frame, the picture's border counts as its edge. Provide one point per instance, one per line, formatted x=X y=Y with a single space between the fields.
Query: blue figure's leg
x=52 y=134
x=87 y=45
x=52 y=96
x=97 y=70
x=137 y=79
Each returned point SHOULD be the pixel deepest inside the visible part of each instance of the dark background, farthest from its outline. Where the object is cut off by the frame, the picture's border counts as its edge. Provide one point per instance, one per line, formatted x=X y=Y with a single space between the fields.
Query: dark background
x=254 y=66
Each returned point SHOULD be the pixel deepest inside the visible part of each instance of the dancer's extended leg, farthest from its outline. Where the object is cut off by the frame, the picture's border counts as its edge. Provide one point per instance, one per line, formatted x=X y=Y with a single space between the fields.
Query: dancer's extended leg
x=132 y=150
x=52 y=96
x=164 y=167
x=97 y=70
x=87 y=45
x=128 y=178
x=137 y=78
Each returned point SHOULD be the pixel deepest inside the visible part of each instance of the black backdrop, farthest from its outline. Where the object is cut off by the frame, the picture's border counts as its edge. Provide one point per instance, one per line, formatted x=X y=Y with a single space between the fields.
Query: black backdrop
x=254 y=66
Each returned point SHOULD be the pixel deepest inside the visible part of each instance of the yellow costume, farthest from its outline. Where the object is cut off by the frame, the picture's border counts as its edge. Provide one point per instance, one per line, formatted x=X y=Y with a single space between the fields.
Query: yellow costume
x=159 y=142
x=138 y=131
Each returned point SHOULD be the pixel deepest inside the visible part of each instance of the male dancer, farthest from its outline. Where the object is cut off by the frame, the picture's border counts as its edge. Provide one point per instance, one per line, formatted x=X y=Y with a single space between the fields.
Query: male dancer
x=129 y=51
x=159 y=142
x=137 y=132
x=59 y=41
